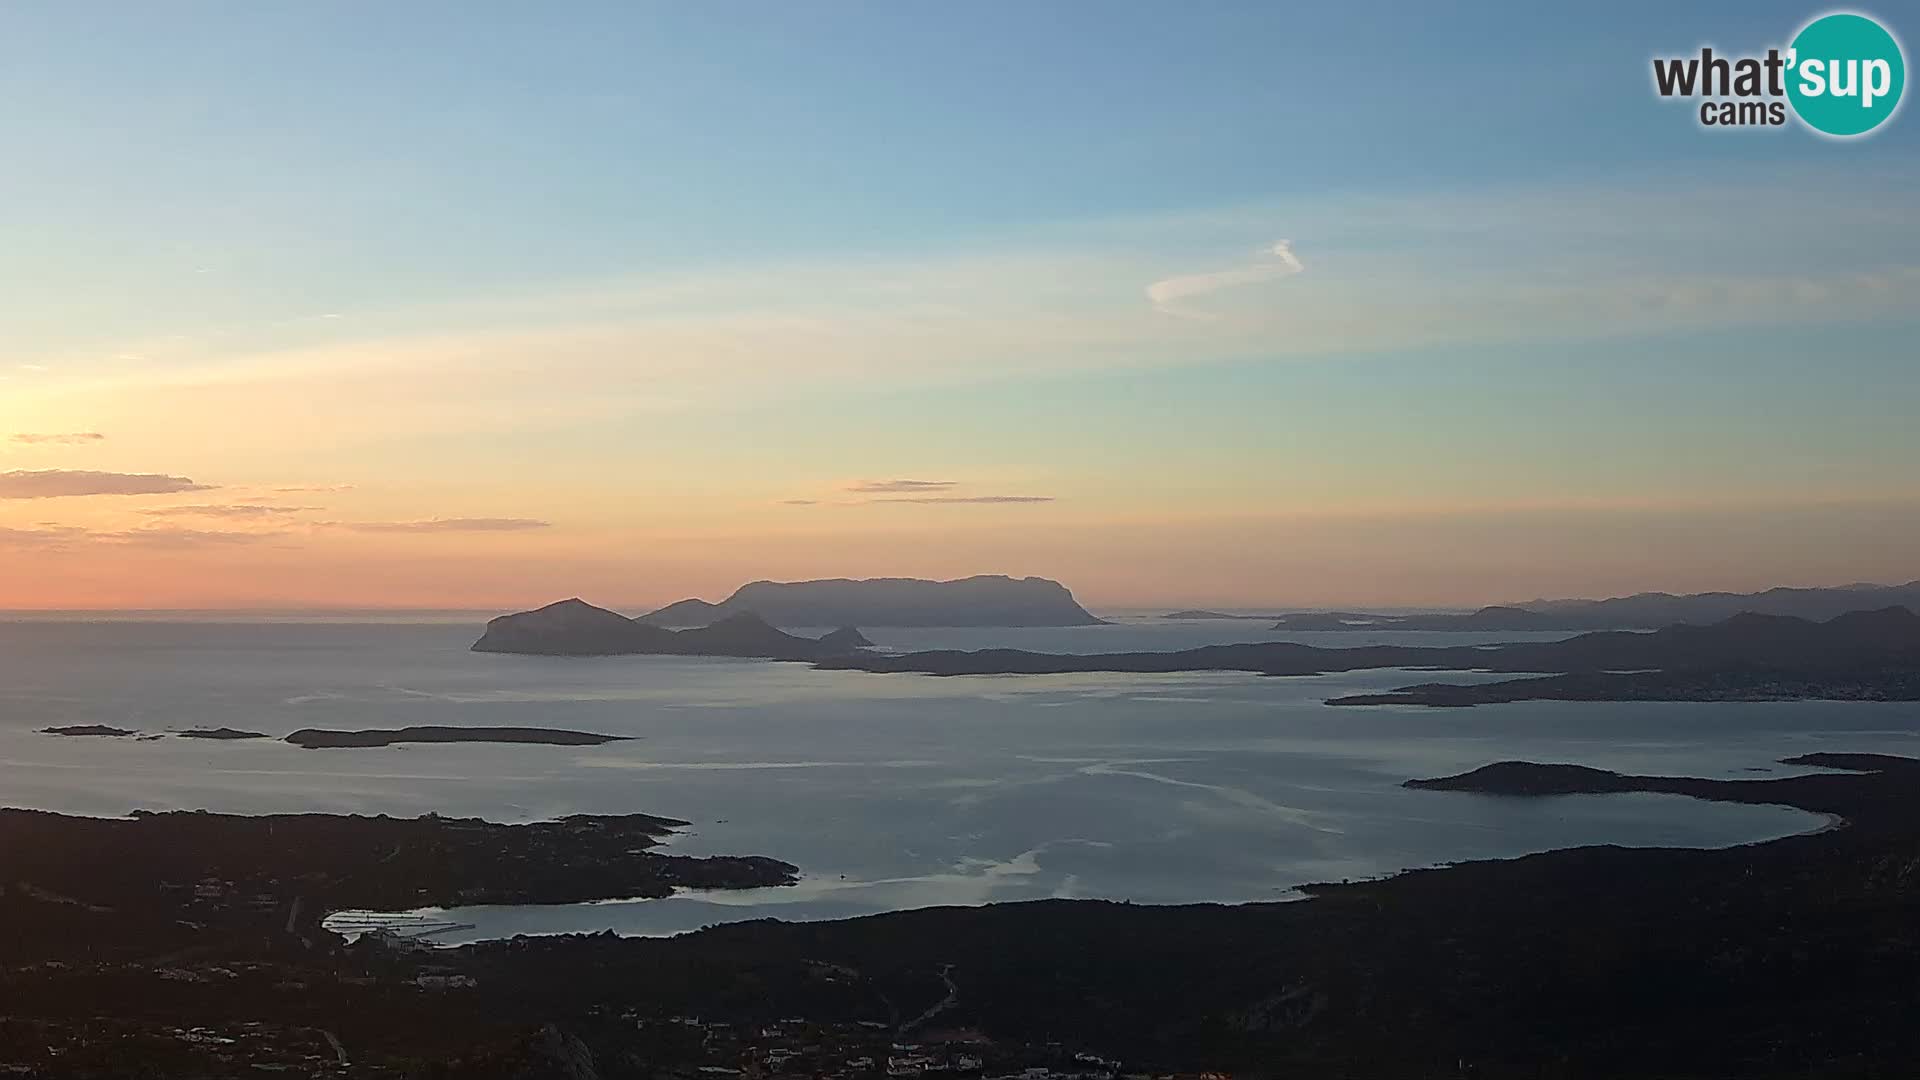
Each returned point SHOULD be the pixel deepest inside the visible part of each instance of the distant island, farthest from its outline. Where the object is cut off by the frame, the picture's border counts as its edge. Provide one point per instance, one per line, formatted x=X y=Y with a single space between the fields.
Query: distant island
x=1819 y=791
x=1863 y=655
x=1858 y=656
x=984 y=600
x=1642 y=611
x=577 y=628
x=1890 y=635
x=1743 y=683
x=1485 y=620
x=318 y=738
x=321 y=738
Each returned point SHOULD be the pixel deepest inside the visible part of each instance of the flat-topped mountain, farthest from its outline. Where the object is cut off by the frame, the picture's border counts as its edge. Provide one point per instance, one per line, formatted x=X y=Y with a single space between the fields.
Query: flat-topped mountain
x=1642 y=611
x=985 y=600
x=577 y=628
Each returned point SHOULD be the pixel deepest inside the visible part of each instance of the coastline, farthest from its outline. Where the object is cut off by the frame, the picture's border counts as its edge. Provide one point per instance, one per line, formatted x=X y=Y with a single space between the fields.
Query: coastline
x=1406 y=975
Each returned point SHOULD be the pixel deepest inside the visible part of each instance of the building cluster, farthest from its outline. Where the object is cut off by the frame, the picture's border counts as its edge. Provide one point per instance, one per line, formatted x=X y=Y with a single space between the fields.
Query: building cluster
x=864 y=1050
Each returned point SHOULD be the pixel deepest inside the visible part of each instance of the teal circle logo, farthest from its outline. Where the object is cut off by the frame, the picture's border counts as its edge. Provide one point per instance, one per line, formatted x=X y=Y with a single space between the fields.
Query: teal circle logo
x=1845 y=74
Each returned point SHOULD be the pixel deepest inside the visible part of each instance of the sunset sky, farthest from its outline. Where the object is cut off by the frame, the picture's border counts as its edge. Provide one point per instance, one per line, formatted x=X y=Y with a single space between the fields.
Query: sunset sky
x=474 y=305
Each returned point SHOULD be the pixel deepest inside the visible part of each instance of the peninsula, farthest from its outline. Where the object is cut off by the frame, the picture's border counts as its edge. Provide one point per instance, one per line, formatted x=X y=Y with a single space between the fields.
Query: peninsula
x=1870 y=655
x=1641 y=611
x=194 y=940
x=152 y=882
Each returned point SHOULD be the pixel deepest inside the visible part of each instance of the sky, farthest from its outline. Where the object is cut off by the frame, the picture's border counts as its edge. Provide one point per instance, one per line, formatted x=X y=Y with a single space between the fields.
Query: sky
x=481 y=305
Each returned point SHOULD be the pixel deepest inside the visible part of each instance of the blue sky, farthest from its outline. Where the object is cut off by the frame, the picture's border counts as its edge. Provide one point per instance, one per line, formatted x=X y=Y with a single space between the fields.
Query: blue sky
x=662 y=274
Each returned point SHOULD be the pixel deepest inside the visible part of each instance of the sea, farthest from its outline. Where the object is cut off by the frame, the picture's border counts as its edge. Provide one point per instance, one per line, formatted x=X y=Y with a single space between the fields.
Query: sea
x=888 y=791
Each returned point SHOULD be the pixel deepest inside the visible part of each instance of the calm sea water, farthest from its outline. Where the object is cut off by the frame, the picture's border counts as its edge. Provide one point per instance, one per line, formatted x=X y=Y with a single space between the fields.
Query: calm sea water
x=889 y=791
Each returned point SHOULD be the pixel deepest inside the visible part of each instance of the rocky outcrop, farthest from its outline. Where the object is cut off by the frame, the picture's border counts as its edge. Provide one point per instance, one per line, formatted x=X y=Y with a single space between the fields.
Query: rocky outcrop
x=572 y=628
x=685 y=613
x=577 y=628
x=87 y=730
x=846 y=639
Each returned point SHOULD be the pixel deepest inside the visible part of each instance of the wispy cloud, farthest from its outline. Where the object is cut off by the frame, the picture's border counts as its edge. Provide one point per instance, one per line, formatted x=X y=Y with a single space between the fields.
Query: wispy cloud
x=445 y=525
x=1168 y=294
x=160 y=537
x=228 y=510
x=977 y=500
x=61 y=483
x=43 y=536
x=875 y=487
x=1387 y=273
x=926 y=492
x=169 y=537
x=73 y=438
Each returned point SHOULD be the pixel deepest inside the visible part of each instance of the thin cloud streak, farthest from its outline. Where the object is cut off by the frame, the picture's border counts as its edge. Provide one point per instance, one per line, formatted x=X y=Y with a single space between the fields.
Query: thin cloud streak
x=1277 y=261
x=232 y=510
x=66 y=483
x=976 y=500
x=445 y=525
x=55 y=537
x=67 y=438
x=875 y=487
x=922 y=492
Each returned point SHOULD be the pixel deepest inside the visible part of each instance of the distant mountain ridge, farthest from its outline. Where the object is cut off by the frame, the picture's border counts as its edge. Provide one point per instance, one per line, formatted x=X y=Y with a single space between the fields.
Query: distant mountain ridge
x=983 y=600
x=1642 y=611
x=1888 y=638
x=1656 y=608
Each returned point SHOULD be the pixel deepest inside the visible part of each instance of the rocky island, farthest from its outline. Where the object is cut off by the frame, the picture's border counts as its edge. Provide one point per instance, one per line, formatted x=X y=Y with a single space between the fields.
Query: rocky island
x=577 y=628
x=318 y=738
x=983 y=600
